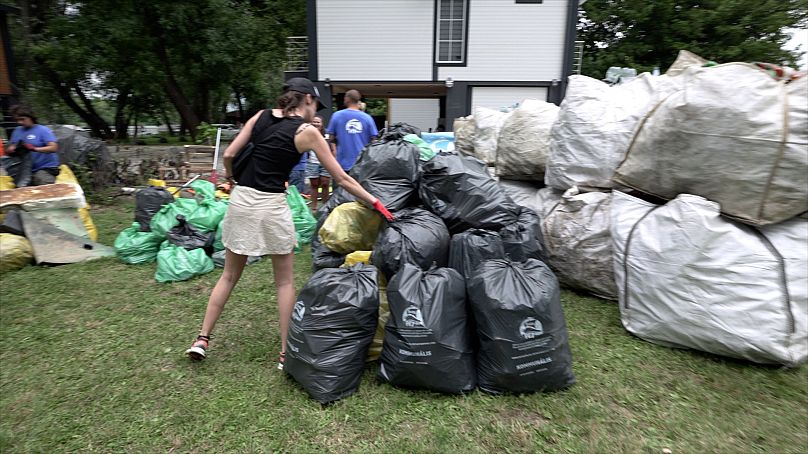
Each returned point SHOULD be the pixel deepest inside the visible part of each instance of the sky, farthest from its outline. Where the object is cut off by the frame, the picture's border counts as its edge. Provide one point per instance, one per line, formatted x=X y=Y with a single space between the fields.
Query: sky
x=799 y=37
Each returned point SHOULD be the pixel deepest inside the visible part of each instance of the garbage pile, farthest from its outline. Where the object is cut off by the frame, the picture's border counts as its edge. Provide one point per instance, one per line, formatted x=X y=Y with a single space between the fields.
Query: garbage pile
x=454 y=289
x=682 y=196
x=184 y=234
x=47 y=225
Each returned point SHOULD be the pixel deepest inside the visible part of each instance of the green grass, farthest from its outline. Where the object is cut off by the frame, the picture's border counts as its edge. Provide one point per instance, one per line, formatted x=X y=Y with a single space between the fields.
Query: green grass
x=91 y=361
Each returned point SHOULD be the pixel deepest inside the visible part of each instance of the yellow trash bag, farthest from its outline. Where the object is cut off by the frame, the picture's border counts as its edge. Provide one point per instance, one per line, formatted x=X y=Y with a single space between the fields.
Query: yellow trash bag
x=66 y=176
x=375 y=351
x=6 y=182
x=157 y=183
x=350 y=227
x=15 y=252
x=357 y=257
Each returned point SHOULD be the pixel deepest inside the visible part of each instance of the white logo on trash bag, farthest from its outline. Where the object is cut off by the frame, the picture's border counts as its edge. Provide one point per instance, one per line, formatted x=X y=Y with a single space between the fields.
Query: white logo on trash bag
x=530 y=328
x=354 y=126
x=299 y=310
x=412 y=317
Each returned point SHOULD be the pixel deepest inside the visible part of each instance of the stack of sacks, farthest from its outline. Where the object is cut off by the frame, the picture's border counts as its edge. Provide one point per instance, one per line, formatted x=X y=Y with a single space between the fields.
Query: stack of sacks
x=488 y=124
x=427 y=340
x=690 y=278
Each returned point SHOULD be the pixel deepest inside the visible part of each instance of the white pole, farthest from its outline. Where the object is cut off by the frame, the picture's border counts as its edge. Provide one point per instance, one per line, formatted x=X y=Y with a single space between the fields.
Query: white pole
x=213 y=173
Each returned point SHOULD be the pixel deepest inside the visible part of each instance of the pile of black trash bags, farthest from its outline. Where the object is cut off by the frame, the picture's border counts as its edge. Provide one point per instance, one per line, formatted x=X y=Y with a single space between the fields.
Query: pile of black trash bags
x=472 y=303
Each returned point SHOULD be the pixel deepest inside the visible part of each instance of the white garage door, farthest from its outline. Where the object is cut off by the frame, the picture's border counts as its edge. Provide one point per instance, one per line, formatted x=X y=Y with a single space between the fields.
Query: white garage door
x=496 y=97
x=423 y=113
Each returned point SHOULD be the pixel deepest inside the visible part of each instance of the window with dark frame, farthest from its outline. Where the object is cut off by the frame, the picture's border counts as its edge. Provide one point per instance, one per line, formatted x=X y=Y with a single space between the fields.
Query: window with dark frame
x=451 y=31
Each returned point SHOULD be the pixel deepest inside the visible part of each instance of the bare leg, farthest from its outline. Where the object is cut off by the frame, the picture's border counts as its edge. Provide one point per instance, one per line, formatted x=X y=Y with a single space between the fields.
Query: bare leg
x=315 y=186
x=233 y=266
x=283 y=268
x=325 y=183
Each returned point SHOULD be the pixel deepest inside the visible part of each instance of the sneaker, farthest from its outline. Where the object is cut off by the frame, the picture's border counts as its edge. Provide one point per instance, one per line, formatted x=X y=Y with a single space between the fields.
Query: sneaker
x=281 y=360
x=198 y=348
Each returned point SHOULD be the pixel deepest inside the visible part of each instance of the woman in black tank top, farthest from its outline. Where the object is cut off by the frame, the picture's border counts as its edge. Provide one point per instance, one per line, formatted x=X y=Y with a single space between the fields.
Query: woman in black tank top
x=258 y=221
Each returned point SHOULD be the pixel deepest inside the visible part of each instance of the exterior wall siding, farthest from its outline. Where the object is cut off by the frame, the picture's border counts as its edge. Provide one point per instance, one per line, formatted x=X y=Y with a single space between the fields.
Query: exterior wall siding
x=513 y=42
x=423 y=113
x=371 y=40
x=496 y=97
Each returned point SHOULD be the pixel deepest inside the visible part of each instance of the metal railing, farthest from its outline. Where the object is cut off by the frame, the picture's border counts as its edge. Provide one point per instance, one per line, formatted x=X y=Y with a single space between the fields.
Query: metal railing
x=578 y=57
x=297 y=53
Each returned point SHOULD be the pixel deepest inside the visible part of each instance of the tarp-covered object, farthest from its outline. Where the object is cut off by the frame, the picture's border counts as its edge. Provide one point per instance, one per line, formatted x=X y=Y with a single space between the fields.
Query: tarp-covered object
x=733 y=135
x=332 y=326
x=595 y=125
x=350 y=227
x=148 y=202
x=77 y=148
x=15 y=252
x=428 y=341
x=524 y=345
x=464 y=130
x=389 y=171
x=578 y=244
x=459 y=190
x=134 y=246
x=524 y=141
x=417 y=237
x=691 y=278
x=488 y=124
x=523 y=239
x=175 y=263
x=473 y=247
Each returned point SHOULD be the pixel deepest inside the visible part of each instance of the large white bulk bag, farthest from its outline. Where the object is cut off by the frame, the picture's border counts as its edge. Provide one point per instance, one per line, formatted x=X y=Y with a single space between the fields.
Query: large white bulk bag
x=488 y=123
x=578 y=246
x=690 y=278
x=734 y=135
x=594 y=127
x=464 y=129
x=524 y=140
x=540 y=200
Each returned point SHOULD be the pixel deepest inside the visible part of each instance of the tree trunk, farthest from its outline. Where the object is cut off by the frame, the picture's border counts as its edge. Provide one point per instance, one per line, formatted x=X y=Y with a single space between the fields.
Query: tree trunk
x=240 y=105
x=97 y=124
x=121 y=122
x=168 y=121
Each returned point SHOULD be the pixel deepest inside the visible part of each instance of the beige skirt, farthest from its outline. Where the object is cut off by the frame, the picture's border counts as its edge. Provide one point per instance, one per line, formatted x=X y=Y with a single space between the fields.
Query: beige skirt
x=258 y=223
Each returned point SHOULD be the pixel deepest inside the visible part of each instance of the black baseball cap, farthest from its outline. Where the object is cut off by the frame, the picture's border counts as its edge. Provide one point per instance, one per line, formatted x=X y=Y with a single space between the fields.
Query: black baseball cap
x=305 y=86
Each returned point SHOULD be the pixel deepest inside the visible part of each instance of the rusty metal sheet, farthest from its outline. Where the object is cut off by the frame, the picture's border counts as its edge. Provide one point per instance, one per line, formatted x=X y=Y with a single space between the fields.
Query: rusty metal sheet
x=32 y=198
x=53 y=246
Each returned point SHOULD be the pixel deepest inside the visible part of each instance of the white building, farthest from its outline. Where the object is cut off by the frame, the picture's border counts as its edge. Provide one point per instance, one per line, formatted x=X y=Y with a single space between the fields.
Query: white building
x=435 y=59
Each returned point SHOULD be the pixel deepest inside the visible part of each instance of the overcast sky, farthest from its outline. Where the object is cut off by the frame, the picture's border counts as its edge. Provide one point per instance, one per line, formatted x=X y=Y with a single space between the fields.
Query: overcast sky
x=799 y=38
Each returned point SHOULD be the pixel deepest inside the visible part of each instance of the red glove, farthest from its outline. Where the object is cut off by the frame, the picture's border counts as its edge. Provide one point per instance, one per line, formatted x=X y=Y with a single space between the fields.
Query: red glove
x=29 y=146
x=377 y=204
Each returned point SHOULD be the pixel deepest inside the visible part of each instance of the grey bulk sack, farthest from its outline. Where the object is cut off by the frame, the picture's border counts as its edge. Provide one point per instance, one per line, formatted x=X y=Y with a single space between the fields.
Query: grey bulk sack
x=577 y=242
x=524 y=140
x=690 y=278
x=734 y=135
x=488 y=123
x=464 y=130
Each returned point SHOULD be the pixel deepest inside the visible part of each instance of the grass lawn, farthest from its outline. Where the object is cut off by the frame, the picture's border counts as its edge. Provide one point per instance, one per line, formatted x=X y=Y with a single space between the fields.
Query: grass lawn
x=92 y=361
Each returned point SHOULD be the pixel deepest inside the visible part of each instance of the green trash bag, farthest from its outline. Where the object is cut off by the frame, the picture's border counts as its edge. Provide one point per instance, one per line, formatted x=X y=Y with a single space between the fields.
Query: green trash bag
x=427 y=152
x=205 y=190
x=217 y=240
x=301 y=216
x=208 y=215
x=134 y=247
x=166 y=219
x=177 y=264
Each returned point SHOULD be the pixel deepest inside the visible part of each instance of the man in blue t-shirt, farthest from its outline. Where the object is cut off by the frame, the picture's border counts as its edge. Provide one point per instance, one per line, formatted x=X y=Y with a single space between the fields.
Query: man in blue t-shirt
x=352 y=129
x=31 y=157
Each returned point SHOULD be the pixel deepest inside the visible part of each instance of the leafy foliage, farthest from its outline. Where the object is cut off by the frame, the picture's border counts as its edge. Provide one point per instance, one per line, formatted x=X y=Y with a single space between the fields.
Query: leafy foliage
x=647 y=34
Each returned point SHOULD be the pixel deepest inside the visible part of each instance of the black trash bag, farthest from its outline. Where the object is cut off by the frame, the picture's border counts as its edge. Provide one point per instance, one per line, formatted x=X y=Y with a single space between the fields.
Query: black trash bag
x=189 y=237
x=428 y=337
x=390 y=170
x=473 y=247
x=148 y=202
x=333 y=323
x=460 y=191
x=397 y=131
x=321 y=256
x=523 y=239
x=417 y=237
x=524 y=345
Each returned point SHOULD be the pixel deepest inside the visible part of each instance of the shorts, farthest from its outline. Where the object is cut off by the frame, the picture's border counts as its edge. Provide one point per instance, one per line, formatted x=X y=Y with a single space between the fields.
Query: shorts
x=258 y=223
x=315 y=170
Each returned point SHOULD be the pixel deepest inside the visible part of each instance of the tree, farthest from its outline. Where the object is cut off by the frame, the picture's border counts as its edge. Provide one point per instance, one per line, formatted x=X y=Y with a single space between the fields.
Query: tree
x=646 y=34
